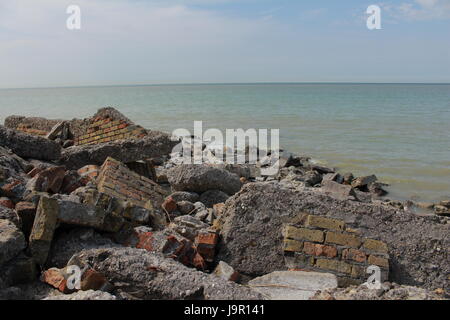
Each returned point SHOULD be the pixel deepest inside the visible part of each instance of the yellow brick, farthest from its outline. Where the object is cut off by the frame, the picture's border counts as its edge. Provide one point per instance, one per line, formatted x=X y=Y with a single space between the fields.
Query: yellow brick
x=334 y=265
x=343 y=239
x=292 y=245
x=303 y=234
x=378 y=261
x=324 y=222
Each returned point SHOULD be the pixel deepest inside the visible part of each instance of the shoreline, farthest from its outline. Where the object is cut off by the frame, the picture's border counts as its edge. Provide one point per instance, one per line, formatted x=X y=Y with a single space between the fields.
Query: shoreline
x=109 y=198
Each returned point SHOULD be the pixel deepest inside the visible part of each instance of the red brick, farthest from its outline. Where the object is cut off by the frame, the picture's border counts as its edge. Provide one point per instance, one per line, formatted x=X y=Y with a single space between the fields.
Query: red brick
x=169 y=205
x=355 y=255
x=319 y=250
x=6 y=202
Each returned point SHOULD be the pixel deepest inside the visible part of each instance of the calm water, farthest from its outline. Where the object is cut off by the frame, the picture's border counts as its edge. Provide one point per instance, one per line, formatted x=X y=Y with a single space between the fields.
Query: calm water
x=399 y=132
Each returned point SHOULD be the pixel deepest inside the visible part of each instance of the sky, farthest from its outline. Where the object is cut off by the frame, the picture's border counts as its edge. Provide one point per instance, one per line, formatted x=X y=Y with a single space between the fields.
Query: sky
x=126 y=42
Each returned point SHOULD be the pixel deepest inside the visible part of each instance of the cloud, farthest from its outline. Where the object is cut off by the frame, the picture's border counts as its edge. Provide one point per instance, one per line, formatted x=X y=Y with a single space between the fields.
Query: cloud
x=419 y=10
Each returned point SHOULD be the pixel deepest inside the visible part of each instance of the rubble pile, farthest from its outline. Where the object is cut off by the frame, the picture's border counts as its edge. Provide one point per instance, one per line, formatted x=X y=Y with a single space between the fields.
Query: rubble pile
x=103 y=209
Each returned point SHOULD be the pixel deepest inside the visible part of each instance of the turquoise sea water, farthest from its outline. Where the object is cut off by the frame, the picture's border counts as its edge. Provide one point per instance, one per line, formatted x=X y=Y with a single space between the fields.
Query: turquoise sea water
x=400 y=132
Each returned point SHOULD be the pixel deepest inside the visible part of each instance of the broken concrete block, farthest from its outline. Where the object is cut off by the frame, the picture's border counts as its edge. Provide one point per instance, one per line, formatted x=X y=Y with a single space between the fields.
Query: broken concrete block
x=12 y=241
x=201 y=178
x=29 y=146
x=293 y=285
x=226 y=272
x=339 y=191
x=212 y=197
x=43 y=229
x=79 y=214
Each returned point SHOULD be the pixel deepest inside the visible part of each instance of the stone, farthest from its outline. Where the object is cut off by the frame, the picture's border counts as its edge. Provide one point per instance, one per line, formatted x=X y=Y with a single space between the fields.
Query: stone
x=339 y=191
x=28 y=146
x=60 y=130
x=226 y=272
x=189 y=226
x=12 y=241
x=348 y=178
x=202 y=178
x=388 y=292
x=154 y=144
x=212 y=197
x=43 y=229
x=185 y=207
x=361 y=182
x=10 y=215
x=336 y=177
x=73 y=241
x=79 y=214
x=169 y=205
x=48 y=180
x=376 y=189
x=293 y=285
x=89 y=295
x=19 y=270
x=179 y=196
x=151 y=276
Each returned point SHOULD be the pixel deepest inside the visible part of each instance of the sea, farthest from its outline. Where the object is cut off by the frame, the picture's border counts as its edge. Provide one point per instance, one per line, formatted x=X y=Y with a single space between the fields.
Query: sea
x=399 y=132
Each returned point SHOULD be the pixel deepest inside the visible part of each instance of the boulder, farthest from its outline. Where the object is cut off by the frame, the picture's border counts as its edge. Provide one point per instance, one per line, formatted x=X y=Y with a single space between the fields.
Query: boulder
x=29 y=146
x=201 y=178
x=293 y=285
x=362 y=182
x=212 y=197
x=12 y=241
x=339 y=191
x=151 y=276
x=185 y=196
x=154 y=144
x=252 y=222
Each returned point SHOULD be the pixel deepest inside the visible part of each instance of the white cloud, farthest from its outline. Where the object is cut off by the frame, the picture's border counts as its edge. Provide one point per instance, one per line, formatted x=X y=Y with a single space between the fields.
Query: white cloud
x=419 y=10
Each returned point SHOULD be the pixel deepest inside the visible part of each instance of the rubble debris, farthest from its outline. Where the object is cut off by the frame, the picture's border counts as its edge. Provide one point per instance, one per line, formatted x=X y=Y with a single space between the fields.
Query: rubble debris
x=212 y=197
x=293 y=285
x=28 y=146
x=12 y=241
x=151 y=276
x=226 y=272
x=89 y=295
x=339 y=191
x=48 y=180
x=43 y=229
x=202 y=178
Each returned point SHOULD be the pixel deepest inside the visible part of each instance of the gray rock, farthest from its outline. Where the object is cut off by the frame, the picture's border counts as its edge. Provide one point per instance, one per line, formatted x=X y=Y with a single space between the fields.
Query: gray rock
x=28 y=146
x=19 y=270
x=12 y=241
x=68 y=243
x=293 y=285
x=11 y=215
x=339 y=191
x=84 y=296
x=201 y=178
x=185 y=196
x=226 y=272
x=185 y=207
x=147 y=275
x=251 y=230
x=362 y=182
x=212 y=197
x=78 y=214
x=155 y=144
